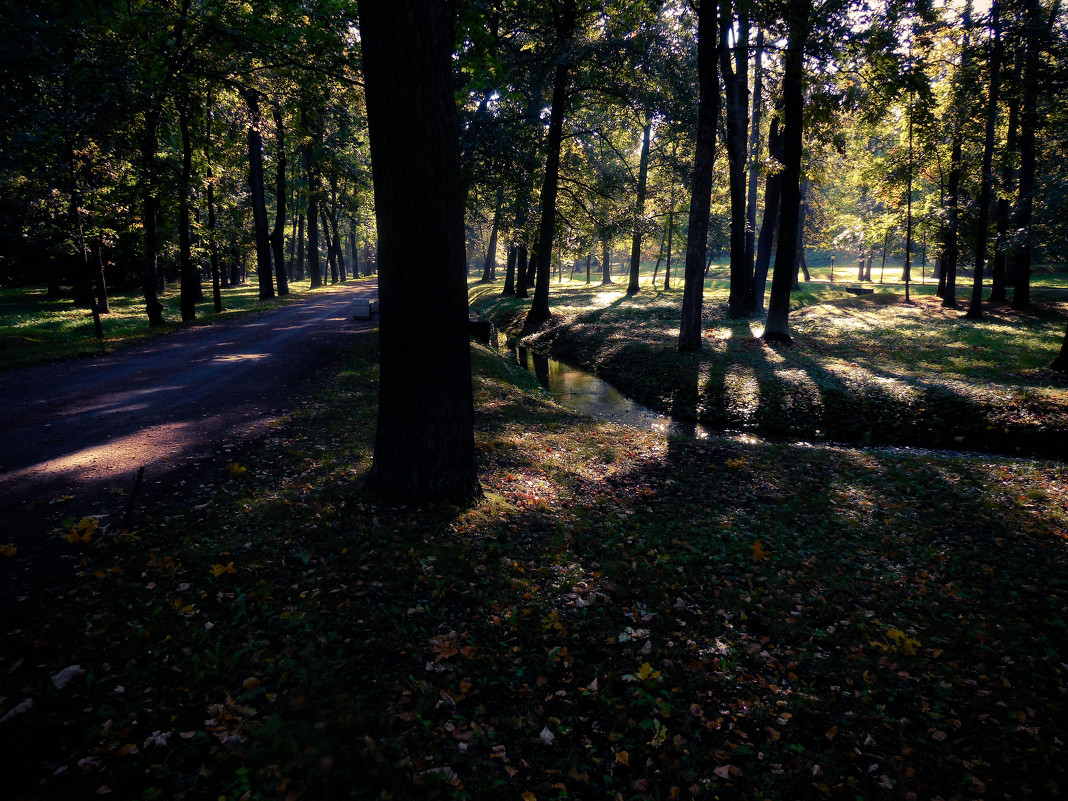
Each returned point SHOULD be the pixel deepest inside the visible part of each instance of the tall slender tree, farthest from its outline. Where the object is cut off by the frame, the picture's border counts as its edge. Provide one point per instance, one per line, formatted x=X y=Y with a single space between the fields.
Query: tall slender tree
x=701 y=184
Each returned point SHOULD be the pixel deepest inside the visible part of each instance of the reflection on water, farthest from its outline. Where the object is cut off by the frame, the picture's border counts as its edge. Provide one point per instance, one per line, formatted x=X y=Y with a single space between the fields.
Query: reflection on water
x=584 y=392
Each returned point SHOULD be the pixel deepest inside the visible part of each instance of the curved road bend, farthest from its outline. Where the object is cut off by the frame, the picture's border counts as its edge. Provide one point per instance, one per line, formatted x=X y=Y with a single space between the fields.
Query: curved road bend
x=83 y=427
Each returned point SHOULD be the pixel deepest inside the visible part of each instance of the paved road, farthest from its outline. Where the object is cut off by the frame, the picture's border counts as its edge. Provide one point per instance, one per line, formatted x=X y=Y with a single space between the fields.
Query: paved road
x=82 y=427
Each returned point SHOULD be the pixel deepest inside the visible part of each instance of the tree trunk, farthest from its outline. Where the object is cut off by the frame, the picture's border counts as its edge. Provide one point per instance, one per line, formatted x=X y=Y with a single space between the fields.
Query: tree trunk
x=701 y=184
x=150 y=206
x=213 y=233
x=331 y=254
x=277 y=237
x=424 y=443
x=975 y=307
x=353 y=248
x=670 y=241
x=509 y=272
x=1061 y=362
x=190 y=276
x=1021 y=267
x=999 y=276
x=639 y=206
x=539 y=307
x=298 y=264
x=754 y=162
x=950 y=245
x=311 y=167
x=770 y=224
x=258 y=194
x=777 y=328
x=736 y=89
x=606 y=260
x=489 y=266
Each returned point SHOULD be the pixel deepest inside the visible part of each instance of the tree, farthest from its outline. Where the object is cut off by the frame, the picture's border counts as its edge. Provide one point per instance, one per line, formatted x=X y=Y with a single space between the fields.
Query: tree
x=701 y=183
x=735 y=82
x=424 y=442
x=1061 y=362
x=800 y=24
x=564 y=25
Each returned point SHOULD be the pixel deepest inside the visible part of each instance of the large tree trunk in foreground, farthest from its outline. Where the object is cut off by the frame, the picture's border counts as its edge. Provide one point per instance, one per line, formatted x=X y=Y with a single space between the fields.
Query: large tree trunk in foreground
x=777 y=328
x=424 y=444
x=701 y=184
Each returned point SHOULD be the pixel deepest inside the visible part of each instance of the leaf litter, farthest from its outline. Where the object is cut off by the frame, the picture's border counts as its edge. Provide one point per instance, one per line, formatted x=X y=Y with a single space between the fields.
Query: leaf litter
x=623 y=616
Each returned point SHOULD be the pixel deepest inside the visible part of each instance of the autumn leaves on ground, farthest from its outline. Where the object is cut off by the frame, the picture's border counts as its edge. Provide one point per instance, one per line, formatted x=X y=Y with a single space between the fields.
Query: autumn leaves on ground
x=623 y=616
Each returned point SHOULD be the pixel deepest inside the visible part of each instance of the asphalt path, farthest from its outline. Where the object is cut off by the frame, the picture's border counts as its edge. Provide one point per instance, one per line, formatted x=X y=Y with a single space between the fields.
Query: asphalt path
x=74 y=434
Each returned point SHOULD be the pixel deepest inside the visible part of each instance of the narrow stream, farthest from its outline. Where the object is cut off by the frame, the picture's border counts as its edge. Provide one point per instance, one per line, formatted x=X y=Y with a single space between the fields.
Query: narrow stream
x=584 y=392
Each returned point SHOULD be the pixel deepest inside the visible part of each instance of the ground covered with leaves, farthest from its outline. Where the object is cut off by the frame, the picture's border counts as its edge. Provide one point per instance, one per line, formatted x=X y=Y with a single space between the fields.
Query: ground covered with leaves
x=623 y=616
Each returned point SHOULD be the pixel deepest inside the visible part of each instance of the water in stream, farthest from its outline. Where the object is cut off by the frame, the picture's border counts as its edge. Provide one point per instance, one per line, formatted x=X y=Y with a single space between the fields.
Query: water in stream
x=584 y=392
x=576 y=389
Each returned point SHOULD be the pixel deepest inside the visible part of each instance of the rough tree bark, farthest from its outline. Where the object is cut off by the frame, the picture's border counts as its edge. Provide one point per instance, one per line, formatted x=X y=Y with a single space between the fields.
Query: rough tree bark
x=424 y=443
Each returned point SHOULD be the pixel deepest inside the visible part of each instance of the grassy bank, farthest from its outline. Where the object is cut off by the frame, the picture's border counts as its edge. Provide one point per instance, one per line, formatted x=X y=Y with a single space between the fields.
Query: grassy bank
x=622 y=616
x=868 y=369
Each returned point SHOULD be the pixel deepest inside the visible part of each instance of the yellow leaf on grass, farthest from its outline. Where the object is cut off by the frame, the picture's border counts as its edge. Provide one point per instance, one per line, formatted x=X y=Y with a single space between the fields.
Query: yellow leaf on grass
x=902 y=642
x=622 y=757
x=758 y=552
x=218 y=570
x=8 y=550
x=646 y=672
x=529 y=796
x=82 y=531
x=235 y=468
